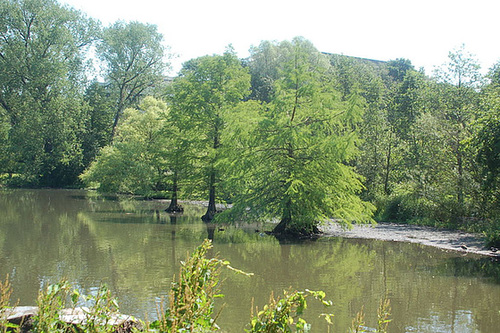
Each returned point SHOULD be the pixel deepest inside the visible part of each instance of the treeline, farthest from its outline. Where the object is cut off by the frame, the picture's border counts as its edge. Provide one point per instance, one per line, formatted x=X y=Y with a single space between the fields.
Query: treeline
x=288 y=133
x=54 y=117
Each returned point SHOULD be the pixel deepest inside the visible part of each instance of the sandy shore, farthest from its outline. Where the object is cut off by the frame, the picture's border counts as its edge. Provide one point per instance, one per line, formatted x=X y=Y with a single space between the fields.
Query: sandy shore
x=444 y=239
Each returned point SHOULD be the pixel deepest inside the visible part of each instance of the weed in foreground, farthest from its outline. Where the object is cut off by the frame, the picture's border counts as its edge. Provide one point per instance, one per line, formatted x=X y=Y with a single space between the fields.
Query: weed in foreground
x=191 y=305
x=383 y=314
x=285 y=314
x=50 y=302
x=191 y=298
x=99 y=316
x=5 y=293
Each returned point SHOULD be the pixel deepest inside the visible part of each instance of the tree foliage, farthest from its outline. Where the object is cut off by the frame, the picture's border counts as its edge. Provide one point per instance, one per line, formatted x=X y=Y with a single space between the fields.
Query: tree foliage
x=295 y=158
x=135 y=162
x=206 y=91
x=134 y=59
x=41 y=68
x=288 y=133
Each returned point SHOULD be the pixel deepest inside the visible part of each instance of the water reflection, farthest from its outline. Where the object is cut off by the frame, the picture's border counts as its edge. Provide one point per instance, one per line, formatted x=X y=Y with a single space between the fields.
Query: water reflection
x=135 y=247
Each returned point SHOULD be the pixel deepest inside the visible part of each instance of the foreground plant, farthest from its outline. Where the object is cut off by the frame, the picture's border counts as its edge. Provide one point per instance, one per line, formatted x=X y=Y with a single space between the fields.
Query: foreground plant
x=98 y=318
x=5 y=293
x=383 y=314
x=191 y=304
x=284 y=315
x=191 y=299
x=50 y=302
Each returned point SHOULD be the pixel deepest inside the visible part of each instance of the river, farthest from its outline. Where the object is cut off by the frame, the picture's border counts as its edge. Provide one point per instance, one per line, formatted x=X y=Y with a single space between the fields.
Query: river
x=135 y=248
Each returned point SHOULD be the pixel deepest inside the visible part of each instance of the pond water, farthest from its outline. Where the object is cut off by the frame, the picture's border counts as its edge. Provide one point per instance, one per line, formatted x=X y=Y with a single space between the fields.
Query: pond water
x=135 y=248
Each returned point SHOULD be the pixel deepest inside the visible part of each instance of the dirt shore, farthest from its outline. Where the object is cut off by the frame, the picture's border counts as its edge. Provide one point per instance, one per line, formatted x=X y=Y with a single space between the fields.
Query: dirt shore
x=440 y=238
x=445 y=239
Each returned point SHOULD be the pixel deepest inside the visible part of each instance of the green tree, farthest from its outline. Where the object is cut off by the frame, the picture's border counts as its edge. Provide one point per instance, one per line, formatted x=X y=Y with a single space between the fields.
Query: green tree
x=406 y=103
x=135 y=161
x=135 y=62
x=460 y=80
x=42 y=56
x=365 y=77
x=432 y=121
x=487 y=144
x=206 y=91
x=99 y=120
x=295 y=165
x=264 y=65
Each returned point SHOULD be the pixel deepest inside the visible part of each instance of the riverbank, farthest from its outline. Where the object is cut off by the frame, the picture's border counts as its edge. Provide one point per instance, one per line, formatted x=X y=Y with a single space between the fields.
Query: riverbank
x=445 y=239
x=449 y=240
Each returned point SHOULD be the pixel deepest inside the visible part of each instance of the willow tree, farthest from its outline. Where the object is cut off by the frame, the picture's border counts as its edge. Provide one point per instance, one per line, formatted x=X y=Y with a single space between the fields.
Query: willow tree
x=295 y=161
x=206 y=91
x=42 y=56
x=135 y=62
x=135 y=162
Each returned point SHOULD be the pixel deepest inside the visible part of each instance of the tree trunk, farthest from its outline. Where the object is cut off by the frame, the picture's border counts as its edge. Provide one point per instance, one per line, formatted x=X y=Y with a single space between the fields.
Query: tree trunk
x=286 y=220
x=281 y=228
x=174 y=206
x=211 y=210
x=119 y=110
x=284 y=230
x=388 y=167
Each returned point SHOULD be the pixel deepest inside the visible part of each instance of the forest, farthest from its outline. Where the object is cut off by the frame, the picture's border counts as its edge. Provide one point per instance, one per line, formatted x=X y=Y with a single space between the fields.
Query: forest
x=288 y=134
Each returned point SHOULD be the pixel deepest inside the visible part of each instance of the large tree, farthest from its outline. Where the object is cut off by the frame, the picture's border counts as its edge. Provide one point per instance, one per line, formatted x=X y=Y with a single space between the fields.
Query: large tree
x=207 y=90
x=42 y=56
x=295 y=165
x=135 y=162
x=135 y=62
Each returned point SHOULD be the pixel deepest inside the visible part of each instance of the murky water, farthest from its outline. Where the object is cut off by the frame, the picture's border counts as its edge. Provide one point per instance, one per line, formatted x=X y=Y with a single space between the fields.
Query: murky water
x=135 y=248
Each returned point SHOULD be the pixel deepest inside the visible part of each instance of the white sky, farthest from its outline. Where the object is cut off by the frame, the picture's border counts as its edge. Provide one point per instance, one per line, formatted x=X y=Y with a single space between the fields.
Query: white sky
x=422 y=31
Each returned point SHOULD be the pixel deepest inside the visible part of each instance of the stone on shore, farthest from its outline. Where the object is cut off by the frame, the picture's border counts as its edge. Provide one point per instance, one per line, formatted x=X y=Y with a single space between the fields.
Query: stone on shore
x=23 y=316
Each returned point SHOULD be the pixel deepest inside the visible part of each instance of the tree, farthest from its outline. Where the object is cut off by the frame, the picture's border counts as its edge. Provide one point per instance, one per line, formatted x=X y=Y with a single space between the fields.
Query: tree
x=136 y=160
x=355 y=76
x=99 y=120
x=486 y=142
x=207 y=89
x=295 y=165
x=263 y=64
x=42 y=51
x=433 y=123
x=134 y=60
x=460 y=80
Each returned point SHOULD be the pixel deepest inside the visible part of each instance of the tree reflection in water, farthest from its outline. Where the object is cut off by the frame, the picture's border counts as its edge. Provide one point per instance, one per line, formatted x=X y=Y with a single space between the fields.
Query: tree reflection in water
x=135 y=247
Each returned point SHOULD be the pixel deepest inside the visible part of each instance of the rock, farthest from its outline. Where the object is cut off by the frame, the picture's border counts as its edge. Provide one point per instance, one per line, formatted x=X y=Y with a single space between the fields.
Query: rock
x=23 y=316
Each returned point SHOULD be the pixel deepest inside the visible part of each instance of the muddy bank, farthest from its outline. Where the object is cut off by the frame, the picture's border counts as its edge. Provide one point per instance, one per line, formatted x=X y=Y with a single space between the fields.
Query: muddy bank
x=451 y=240
x=440 y=238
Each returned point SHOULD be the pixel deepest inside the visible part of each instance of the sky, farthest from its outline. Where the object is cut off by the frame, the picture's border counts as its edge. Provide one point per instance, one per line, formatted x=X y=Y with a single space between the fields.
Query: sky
x=423 y=31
